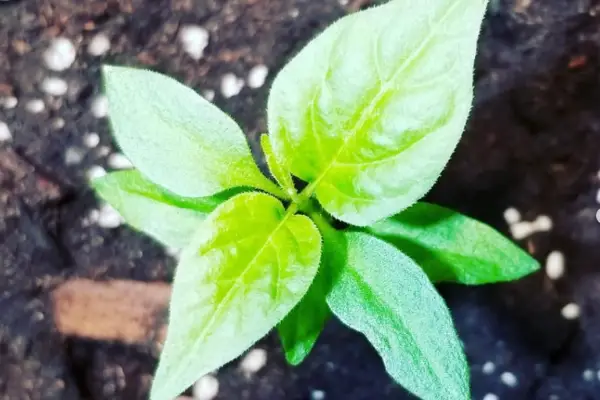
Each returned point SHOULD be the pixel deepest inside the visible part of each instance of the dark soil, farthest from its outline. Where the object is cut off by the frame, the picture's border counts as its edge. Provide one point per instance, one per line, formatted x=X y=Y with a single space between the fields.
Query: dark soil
x=533 y=142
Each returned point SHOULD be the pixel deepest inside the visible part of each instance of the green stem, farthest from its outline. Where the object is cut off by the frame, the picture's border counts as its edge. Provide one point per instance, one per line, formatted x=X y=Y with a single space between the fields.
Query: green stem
x=275 y=190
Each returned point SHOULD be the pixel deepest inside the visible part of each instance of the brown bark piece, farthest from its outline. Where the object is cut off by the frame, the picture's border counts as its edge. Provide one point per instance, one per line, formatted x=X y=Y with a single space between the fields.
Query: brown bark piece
x=120 y=310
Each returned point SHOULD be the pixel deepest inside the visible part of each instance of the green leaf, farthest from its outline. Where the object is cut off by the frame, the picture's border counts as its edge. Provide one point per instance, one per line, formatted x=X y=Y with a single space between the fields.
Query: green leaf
x=175 y=137
x=282 y=176
x=301 y=328
x=248 y=265
x=453 y=247
x=383 y=294
x=371 y=110
x=164 y=216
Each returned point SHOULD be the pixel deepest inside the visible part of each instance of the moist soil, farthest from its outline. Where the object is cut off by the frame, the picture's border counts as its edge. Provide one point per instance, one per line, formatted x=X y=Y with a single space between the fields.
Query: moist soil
x=533 y=142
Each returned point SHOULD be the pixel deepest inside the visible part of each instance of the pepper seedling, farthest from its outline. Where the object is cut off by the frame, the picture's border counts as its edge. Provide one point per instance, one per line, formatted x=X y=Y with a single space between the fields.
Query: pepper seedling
x=364 y=119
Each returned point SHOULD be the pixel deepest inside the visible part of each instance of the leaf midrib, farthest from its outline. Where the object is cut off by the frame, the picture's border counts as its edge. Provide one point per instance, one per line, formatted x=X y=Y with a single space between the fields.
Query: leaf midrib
x=375 y=101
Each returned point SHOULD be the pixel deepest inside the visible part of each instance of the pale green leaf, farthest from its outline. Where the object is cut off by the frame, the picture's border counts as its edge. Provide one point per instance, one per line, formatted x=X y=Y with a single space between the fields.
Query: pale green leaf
x=455 y=248
x=164 y=216
x=175 y=137
x=301 y=328
x=247 y=266
x=282 y=176
x=370 y=111
x=383 y=294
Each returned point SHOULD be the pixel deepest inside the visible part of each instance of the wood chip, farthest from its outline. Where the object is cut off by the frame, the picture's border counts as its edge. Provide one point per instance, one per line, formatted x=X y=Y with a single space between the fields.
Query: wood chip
x=126 y=311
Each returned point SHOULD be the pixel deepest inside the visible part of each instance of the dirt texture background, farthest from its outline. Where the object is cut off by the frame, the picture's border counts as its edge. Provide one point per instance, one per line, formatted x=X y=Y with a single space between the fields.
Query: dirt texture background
x=533 y=142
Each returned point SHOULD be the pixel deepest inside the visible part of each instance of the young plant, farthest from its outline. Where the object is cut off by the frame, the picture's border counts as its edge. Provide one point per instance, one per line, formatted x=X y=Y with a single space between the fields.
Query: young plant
x=367 y=115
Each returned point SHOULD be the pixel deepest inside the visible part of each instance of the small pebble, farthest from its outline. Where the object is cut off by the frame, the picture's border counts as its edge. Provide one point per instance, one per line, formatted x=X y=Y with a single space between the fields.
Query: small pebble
x=99 y=45
x=521 y=230
x=58 y=123
x=94 y=215
x=254 y=361
x=209 y=95
x=35 y=106
x=555 y=265
x=91 y=140
x=509 y=379
x=10 y=102
x=73 y=156
x=99 y=106
x=95 y=172
x=109 y=218
x=257 y=76
x=570 y=311
x=512 y=215
x=488 y=368
x=206 y=388
x=103 y=151
x=317 y=395
x=490 y=396
x=5 y=134
x=194 y=39
x=543 y=223
x=598 y=196
x=588 y=375
x=60 y=55
x=54 y=86
x=231 y=85
x=118 y=161
x=598 y=215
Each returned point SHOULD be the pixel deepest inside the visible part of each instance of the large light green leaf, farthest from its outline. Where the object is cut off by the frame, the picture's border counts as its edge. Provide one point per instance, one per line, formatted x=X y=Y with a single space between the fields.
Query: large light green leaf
x=248 y=265
x=383 y=294
x=371 y=110
x=301 y=328
x=452 y=247
x=165 y=216
x=175 y=137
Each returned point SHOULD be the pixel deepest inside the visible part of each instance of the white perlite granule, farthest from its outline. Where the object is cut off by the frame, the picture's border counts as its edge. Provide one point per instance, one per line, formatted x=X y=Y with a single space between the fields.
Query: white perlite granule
x=512 y=215
x=95 y=171
x=91 y=140
x=490 y=396
x=60 y=55
x=99 y=45
x=99 y=106
x=509 y=379
x=254 y=361
x=194 y=39
x=231 y=85
x=555 y=265
x=35 y=106
x=54 y=86
x=206 y=388
x=118 y=161
x=570 y=311
x=73 y=156
x=5 y=134
x=9 y=102
x=109 y=218
x=257 y=76
x=488 y=368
